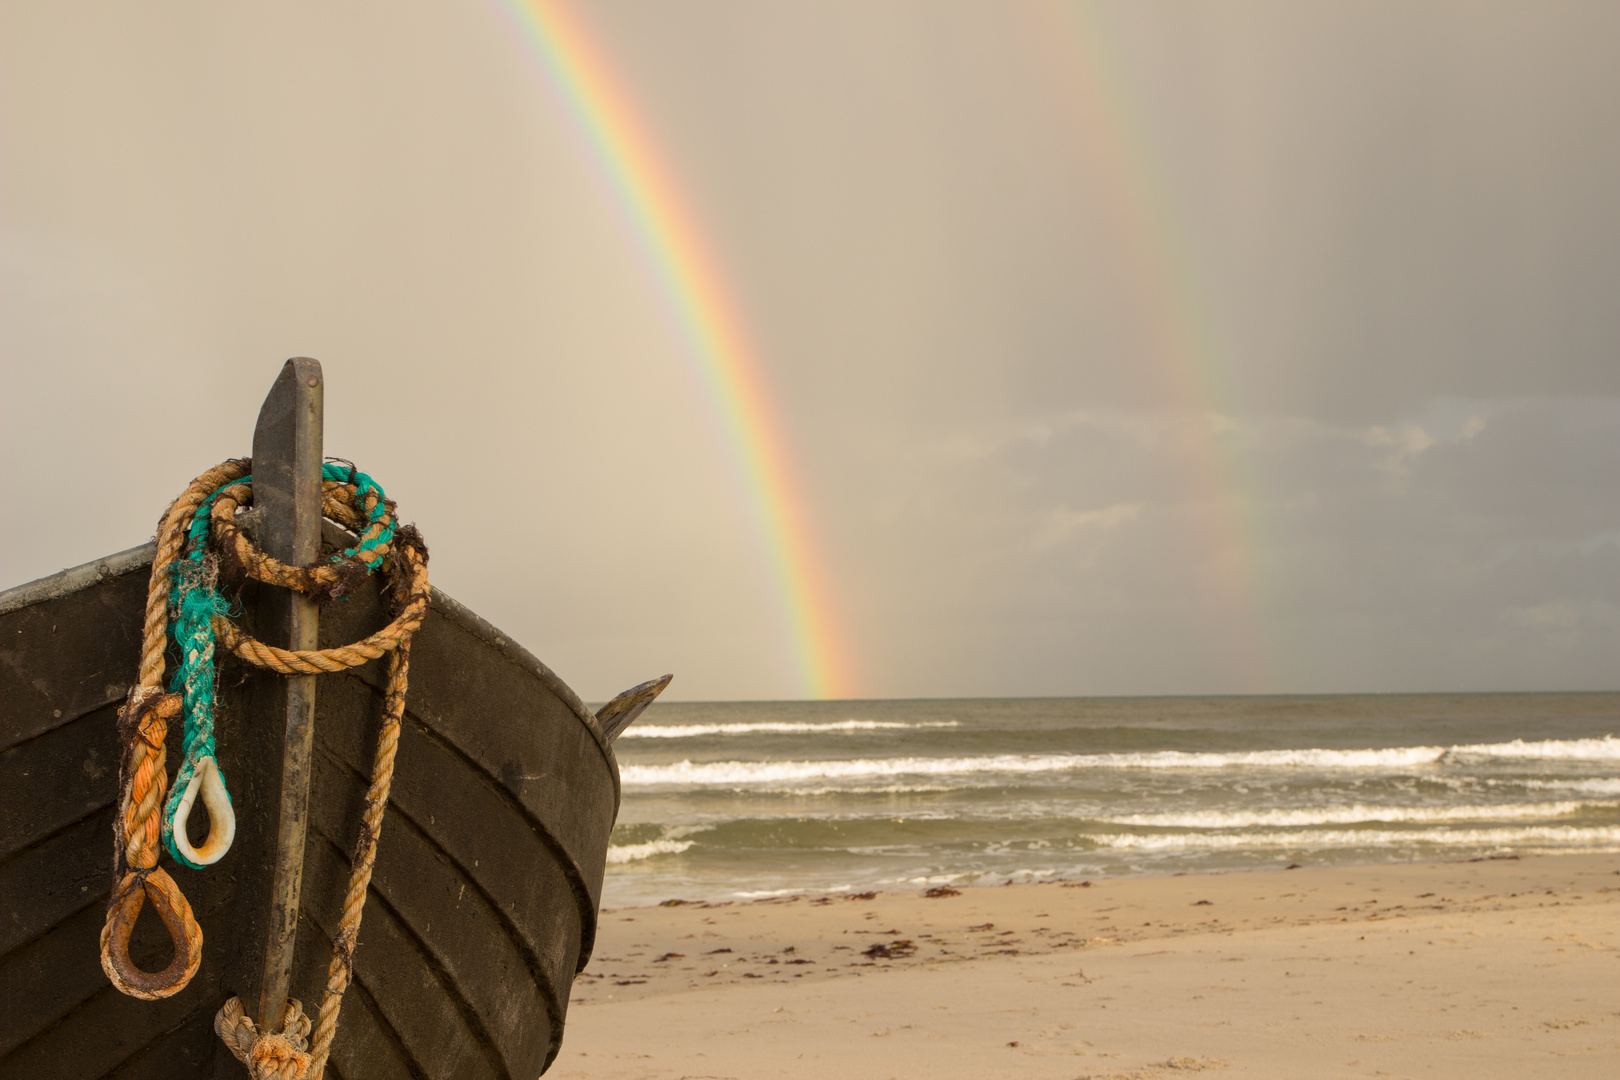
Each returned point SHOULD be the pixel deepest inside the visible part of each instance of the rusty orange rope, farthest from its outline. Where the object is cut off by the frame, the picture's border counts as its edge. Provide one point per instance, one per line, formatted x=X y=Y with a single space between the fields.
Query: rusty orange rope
x=292 y=1053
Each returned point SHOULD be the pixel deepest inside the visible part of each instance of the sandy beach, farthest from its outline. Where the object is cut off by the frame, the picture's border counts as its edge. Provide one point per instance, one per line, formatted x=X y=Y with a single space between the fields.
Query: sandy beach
x=1497 y=968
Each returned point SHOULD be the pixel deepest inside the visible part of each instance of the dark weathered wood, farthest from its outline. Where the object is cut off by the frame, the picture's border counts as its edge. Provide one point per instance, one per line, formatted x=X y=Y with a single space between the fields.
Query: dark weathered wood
x=79 y=652
x=47 y=882
x=104 y=1032
x=471 y=817
x=428 y=1012
x=50 y=976
x=366 y=1046
x=531 y=745
x=56 y=779
x=623 y=710
x=482 y=908
x=455 y=923
x=287 y=455
x=182 y=1052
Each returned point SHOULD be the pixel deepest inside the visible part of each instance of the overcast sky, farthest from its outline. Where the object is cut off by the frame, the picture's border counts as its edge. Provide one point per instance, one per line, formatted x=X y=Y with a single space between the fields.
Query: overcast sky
x=1122 y=349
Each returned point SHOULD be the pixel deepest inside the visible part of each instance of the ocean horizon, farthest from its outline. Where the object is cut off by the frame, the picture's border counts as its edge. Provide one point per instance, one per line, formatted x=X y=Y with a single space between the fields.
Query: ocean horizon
x=744 y=800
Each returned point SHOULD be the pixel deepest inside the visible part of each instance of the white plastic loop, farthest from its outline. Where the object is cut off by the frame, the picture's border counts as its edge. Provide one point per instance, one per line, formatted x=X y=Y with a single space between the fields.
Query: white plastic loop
x=221 y=818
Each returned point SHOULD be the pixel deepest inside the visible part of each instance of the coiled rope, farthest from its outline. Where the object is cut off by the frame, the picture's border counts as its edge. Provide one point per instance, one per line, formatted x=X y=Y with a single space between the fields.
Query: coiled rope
x=205 y=516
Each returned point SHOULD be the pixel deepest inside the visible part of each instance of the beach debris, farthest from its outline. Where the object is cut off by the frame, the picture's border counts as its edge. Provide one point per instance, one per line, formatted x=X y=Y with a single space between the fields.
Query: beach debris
x=1292 y=866
x=1077 y=884
x=711 y=952
x=675 y=903
x=861 y=896
x=1013 y=1043
x=1203 y=903
x=892 y=950
x=983 y=926
x=670 y=956
x=939 y=892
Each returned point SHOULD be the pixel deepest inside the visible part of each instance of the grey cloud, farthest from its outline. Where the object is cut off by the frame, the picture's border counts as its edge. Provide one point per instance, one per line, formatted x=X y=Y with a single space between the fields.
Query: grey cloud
x=1390 y=229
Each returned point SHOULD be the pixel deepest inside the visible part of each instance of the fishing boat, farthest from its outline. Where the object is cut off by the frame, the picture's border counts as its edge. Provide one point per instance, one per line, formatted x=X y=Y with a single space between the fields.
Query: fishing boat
x=482 y=900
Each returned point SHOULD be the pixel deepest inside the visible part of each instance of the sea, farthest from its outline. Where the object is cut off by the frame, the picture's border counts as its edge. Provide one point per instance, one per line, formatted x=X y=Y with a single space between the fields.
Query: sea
x=746 y=800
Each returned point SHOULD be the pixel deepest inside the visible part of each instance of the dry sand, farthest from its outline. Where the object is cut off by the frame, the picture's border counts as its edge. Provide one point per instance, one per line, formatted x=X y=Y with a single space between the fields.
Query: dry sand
x=1503 y=968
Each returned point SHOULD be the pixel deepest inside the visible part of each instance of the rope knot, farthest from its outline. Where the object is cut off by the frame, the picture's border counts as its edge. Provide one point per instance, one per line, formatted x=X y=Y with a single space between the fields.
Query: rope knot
x=146 y=715
x=282 y=1055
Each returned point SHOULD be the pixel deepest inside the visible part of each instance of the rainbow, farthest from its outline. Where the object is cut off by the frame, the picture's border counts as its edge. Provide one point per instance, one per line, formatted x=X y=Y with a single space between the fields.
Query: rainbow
x=620 y=143
x=1184 y=346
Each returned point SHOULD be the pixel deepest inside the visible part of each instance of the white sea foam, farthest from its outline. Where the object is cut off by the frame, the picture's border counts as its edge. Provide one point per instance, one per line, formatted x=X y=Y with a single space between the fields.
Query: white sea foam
x=746 y=773
x=690 y=731
x=1561 y=836
x=1593 y=786
x=864 y=789
x=1604 y=749
x=1350 y=815
x=636 y=852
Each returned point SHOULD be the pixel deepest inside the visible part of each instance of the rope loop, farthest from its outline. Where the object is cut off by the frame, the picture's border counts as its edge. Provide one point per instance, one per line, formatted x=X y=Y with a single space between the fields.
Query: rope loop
x=131 y=893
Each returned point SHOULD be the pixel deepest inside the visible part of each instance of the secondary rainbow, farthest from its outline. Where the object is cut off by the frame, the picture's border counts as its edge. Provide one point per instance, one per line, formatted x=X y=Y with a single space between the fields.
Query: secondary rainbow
x=697 y=295
x=1183 y=344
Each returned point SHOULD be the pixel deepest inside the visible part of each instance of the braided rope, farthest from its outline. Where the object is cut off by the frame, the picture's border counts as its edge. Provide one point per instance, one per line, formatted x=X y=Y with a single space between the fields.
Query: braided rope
x=348 y=495
x=197 y=602
x=354 y=500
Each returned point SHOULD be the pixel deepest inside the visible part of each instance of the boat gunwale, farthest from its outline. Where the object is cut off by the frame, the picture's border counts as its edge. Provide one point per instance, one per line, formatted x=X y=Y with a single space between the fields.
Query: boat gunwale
x=132 y=560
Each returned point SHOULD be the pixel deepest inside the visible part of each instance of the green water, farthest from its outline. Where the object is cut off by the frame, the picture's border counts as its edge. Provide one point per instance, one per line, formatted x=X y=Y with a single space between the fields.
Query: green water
x=752 y=799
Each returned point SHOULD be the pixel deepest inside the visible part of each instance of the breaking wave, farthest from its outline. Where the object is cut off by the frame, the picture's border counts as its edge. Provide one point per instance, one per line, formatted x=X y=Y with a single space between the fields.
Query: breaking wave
x=1566 y=836
x=1351 y=815
x=690 y=731
x=1399 y=757
x=637 y=852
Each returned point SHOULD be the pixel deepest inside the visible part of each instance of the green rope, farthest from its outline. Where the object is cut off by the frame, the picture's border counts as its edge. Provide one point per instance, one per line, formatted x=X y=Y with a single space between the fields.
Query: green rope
x=195 y=600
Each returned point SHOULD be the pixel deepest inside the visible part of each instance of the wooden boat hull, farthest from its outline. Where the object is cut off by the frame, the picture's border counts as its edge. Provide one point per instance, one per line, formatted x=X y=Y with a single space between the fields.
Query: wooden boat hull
x=482 y=907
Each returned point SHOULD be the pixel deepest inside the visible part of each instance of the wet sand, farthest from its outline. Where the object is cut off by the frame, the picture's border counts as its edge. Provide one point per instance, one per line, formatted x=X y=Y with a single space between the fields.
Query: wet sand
x=1502 y=968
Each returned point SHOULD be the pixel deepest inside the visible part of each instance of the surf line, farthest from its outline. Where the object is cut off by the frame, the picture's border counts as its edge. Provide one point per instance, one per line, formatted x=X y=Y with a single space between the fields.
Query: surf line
x=664 y=225
x=1182 y=343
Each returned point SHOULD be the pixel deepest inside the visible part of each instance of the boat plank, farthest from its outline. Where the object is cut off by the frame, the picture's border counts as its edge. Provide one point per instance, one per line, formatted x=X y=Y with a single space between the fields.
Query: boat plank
x=467 y=813
x=485 y=705
x=104 y=1032
x=185 y=1051
x=449 y=914
x=366 y=1048
x=412 y=995
x=44 y=676
x=49 y=977
x=58 y=778
x=51 y=880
